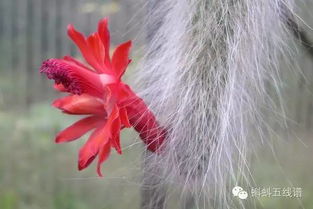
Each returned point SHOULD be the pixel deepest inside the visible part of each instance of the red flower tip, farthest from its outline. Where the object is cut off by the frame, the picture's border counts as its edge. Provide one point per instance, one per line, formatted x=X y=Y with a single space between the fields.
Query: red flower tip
x=104 y=34
x=84 y=164
x=58 y=139
x=104 y=21
x=120 y=58
x=103 y=156
x=70 y=28
x=57 y=103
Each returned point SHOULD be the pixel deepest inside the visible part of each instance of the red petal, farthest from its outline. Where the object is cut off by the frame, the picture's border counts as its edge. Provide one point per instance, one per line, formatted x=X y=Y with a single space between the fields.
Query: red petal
x=95 y=44
x=103 y=156
x=124 y=117
x=91 y=148
x=75 y=61
x=116 y=128
x=80 y=104
x=82 y=44
x=125 y=93
x=78 y=129
x=104 y=35
x=96 y=141
x=120 y=59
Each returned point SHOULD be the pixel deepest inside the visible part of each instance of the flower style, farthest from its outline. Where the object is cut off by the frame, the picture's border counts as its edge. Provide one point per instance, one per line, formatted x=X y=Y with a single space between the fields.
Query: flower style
x=98 y=92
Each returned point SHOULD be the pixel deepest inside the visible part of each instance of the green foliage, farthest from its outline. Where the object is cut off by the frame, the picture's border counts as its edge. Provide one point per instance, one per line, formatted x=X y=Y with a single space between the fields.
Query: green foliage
x=8 y=200
x=37 y=173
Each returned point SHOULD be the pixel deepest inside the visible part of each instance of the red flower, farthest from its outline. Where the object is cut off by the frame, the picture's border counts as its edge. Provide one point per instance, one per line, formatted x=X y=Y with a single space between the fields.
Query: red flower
x=98 y=92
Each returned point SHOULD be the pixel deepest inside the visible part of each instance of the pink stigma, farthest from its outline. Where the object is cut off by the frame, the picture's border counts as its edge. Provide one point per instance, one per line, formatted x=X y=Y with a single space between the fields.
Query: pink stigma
x=60 y=72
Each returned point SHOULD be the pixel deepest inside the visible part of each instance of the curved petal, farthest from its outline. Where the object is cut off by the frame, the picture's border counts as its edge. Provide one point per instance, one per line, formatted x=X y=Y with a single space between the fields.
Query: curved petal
x=91 y=148
x=98 y=139
x=82 y=44
x=104 y=35
x=78 y=129
x=77 y=62
x=80 y=104
x=124 y=117
x=120 y=58
x=116 y=128
x=97 y=48
x=103 y=156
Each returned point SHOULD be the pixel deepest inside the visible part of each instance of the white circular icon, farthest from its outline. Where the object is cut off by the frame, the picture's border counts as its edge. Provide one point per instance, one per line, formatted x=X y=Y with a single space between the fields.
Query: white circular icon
x=236 y=190
x=243 y=195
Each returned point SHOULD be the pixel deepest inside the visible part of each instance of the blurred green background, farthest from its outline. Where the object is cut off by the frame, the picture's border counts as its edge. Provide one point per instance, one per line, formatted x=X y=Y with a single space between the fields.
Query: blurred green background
x=35 y=173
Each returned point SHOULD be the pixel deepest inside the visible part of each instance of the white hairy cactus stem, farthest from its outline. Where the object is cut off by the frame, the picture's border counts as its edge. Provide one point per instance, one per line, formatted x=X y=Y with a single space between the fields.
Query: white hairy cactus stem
x=204 y=77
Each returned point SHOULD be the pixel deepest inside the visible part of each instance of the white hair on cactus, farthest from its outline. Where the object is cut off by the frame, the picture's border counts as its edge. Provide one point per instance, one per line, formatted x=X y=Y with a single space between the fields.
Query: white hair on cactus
x=205 y=77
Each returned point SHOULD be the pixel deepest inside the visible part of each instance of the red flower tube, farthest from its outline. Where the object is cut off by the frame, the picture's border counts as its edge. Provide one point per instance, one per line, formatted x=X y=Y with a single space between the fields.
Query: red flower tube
x=98 y=92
